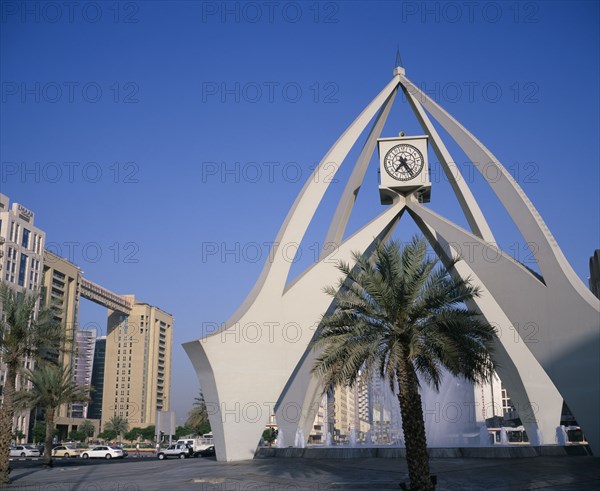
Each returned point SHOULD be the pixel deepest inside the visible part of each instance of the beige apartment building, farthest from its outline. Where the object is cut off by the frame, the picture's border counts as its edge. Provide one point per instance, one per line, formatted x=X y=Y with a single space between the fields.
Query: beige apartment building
x=137 y=368
x=21 y=267
x=61 y=293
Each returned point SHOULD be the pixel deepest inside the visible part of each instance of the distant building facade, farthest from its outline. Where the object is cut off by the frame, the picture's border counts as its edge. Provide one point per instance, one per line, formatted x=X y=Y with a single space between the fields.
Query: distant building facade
x=95 y=405
x=82 y=368
x=21 y=268
x=61 y=293
x=137 y=369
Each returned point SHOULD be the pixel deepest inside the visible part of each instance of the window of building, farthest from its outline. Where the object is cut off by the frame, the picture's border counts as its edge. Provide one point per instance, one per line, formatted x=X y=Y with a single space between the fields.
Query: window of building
x=22 y=269
x=25 y=238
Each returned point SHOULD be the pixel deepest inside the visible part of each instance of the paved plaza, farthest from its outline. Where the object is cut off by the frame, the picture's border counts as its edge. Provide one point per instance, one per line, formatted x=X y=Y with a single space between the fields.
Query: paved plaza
x=556 y=473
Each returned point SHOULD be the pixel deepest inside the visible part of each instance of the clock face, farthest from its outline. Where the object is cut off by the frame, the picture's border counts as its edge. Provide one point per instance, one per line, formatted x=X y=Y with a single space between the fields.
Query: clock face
x=403 y=162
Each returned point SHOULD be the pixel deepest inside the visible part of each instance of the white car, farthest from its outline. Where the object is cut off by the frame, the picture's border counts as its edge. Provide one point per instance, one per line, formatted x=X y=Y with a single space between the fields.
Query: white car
x=24 y=451
x=103 y=452
x=179 y=451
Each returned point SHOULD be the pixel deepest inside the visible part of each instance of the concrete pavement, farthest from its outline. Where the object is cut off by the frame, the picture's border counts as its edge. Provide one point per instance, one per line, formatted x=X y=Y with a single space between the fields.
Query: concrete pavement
x=276 y=474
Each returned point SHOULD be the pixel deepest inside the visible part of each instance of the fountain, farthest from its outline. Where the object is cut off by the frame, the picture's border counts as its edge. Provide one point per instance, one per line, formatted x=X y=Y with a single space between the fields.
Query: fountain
x=503 y=436
x=539 y=440
x=484 y=436
x=280 y=442
x=561 y=435
x=300 y=441
x=352 y=437
x=369 y=438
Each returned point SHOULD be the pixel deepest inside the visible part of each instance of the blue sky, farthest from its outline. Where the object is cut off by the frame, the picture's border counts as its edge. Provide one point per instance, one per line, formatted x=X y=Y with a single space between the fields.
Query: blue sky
x=161 y=144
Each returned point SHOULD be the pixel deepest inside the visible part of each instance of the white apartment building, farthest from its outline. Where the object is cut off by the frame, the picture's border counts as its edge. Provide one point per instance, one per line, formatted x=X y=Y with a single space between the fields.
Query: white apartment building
x=21 y=268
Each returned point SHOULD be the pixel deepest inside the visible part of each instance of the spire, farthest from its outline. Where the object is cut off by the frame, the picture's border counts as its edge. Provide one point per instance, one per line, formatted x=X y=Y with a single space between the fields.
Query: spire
x=399 y=63
x=399 y=67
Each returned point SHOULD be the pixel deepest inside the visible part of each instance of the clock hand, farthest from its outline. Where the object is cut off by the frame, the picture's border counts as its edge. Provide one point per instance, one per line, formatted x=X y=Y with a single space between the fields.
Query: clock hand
x=403 y=163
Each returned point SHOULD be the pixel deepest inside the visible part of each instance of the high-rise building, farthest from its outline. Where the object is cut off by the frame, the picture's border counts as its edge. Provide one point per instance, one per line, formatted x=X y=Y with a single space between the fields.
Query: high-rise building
x=344 y=412
x=21 y=267
x=363 y=425
x=22 y=246
x=95 y=405
x=137 y=368
x=82 y=368
x=318 y=433
x=61 y=293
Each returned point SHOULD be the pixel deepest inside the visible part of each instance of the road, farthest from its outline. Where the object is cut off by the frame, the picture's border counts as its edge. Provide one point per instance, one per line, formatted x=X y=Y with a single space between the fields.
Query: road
x=293 y=474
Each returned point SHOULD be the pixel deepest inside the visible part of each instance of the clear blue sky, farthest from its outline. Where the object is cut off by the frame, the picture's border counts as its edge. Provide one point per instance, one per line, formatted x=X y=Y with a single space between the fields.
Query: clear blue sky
x=149 y=136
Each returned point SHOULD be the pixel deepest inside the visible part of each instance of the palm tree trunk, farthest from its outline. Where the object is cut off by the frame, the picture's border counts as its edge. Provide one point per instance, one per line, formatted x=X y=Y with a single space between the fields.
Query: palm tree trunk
x=6 y=422
x=49 y=436
x=413 y=426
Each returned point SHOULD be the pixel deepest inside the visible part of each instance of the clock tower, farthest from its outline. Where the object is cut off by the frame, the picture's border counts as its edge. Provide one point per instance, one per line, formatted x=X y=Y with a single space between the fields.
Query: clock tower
x=403 y=168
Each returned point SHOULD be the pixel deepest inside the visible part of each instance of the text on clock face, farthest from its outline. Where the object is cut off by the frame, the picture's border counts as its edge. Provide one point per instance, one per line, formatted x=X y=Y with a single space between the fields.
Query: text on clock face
x=403 y=162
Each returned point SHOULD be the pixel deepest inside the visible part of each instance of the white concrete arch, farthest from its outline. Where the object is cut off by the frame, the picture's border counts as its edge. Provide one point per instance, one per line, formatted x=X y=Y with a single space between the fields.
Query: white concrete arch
x=252 y=362
x=230 y=360
x=565 y=313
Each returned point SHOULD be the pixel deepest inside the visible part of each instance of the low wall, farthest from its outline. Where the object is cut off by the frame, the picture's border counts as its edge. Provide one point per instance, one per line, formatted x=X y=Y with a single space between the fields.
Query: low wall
x=497 y=452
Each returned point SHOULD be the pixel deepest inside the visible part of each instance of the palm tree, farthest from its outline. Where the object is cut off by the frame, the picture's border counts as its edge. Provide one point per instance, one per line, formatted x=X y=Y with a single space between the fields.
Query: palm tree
x=198 y=416
x=117 y=424
x=23 y=335
x=400 y=315
x=52 y=386
x=87 y=427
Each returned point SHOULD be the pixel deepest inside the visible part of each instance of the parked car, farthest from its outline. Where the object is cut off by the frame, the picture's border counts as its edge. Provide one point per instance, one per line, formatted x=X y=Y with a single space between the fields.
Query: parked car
x=178 y=450
x=125 y=452
x=103 y=452
x=65 y=451
x=207 y=452
x=24 y=451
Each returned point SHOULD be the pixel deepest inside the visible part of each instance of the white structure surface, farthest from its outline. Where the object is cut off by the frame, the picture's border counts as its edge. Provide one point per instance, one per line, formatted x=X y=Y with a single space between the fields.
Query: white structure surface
x=244 y=379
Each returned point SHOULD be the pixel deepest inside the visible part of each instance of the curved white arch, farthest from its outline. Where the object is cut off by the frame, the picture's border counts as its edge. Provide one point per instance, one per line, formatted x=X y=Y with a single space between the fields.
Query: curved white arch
x=229 y=362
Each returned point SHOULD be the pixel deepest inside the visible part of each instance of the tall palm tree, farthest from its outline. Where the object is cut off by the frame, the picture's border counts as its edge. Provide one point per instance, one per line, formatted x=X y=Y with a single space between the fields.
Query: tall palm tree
x=117 y=424
x=198 y=416
x=399 y=315
x=23 y=335
x=52 y=386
